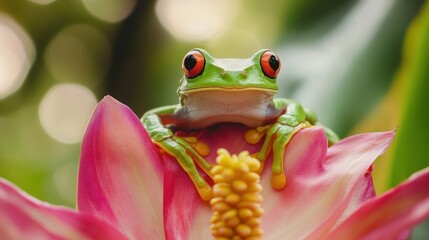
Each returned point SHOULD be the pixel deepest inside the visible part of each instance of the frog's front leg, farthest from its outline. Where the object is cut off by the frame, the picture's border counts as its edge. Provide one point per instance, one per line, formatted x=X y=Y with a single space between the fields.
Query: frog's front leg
x=277 y=136
x=178 y=147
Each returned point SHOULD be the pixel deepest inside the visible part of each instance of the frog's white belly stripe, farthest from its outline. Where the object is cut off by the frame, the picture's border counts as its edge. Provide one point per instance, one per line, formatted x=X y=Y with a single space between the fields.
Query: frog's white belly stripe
x=202 y=109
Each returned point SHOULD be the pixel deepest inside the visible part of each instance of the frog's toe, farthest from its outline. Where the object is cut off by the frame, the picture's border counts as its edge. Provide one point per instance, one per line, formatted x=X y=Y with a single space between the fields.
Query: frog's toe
x=254 y=135
x=269 y=132
x=278 y=181
x=180 y=150
x=206 y=192
x=197 y=150
x=282 y=137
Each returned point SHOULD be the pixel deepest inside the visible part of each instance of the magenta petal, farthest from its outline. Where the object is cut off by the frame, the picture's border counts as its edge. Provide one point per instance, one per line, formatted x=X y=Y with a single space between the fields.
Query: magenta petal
x=23 y=217
x=120 y=172
x=321 y=191
x=324 y=186
x=186 y=216
x=391 y=214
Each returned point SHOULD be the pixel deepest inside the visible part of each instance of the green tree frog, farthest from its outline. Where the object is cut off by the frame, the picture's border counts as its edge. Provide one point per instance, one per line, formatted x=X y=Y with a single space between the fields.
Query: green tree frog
x=226 y=90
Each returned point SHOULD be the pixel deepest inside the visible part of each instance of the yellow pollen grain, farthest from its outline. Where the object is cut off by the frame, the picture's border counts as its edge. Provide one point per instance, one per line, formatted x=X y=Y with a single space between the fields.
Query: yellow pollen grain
x=245 y=213
x=228 y=174
x=244 y=230
x=236 y=202
x=232 y=198
x=221 y=190
x=239 y=186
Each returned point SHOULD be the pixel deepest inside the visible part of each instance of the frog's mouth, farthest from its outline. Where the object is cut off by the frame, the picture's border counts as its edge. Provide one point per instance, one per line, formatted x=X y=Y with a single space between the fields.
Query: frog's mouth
x=229 y=89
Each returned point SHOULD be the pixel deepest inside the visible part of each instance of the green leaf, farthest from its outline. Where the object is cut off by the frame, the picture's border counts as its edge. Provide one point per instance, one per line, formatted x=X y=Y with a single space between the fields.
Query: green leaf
x=411 y=146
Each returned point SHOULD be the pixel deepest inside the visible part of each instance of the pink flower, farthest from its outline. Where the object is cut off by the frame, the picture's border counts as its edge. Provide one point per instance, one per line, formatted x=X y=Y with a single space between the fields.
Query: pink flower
x=127 y=189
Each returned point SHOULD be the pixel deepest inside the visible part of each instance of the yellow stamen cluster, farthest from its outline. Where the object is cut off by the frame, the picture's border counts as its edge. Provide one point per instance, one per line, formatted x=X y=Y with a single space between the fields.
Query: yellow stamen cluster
x=236 y=201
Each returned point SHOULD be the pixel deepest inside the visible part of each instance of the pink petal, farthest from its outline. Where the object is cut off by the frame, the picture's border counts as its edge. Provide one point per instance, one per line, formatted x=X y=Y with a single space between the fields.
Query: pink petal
x=194 y=223
x=324 y=187
x=121 y=173
x=23 y=217
x=320 y=191
x=186 y=216
x=391 y=214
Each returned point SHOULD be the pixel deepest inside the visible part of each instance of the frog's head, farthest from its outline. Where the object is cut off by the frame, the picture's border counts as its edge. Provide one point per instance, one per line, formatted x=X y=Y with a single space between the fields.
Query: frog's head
x=203 y=73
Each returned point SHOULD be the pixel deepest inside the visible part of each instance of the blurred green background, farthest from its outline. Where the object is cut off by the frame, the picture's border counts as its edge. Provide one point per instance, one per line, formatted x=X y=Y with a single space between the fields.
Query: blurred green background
x=360 y=64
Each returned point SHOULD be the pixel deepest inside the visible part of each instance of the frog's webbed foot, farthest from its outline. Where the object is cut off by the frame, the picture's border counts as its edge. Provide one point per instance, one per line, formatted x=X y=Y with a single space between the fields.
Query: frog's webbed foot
x=186 y=150
x=277 y=136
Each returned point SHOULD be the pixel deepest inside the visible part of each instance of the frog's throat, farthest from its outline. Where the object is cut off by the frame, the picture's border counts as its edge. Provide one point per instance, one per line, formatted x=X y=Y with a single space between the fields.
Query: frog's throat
x=229 y=89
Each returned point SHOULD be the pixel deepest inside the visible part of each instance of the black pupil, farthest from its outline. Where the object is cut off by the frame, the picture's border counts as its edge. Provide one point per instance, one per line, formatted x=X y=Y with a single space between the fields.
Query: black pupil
x=274 y=63
x=190 y=62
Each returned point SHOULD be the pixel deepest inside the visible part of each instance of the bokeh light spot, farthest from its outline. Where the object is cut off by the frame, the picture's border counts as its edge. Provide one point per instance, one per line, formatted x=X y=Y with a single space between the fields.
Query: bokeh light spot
x=196 y=20
x=65 y=111
x=226 y=46
x=110 y=10
x=79 y=53
x=17 y=54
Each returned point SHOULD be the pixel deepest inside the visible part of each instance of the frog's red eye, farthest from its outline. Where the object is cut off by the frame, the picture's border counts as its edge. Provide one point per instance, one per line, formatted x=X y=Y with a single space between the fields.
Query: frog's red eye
x=193 y=64
x=270 y=64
